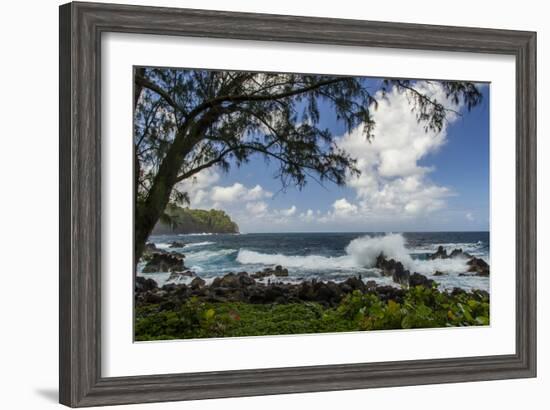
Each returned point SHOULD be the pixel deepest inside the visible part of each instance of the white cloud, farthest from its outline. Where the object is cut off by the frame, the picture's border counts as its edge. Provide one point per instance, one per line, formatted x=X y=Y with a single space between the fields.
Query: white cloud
x=394 y=186
x=257 y=193
x=238 y=192
x=198 y=186
x=392 y=181
x=244 y=204
x=289 y=212
x=229 y=193
x=257 y=208
x=343 y=208
x=307 y=216
x=469 y=216
x=198 y=197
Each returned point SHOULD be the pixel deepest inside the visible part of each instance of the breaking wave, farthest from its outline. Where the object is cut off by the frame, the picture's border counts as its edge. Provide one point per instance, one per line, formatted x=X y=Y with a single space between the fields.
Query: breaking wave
x=194 y=244
x=361 y=253
x=366 y=249
x=309 y=262
x=208 y=256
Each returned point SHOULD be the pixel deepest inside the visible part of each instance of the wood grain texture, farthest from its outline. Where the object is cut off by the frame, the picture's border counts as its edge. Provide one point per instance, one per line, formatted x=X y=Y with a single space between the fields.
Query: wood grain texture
x=81 y=25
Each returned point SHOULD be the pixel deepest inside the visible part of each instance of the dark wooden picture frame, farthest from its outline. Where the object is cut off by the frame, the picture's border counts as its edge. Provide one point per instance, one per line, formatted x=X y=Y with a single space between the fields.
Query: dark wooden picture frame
x=81 y=27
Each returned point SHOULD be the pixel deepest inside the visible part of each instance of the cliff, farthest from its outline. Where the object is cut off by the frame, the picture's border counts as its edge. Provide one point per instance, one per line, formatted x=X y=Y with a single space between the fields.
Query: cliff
x=186 y=220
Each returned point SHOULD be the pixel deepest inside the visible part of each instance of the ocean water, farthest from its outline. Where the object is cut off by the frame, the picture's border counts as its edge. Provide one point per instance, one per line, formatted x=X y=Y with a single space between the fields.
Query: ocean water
x=328 y=256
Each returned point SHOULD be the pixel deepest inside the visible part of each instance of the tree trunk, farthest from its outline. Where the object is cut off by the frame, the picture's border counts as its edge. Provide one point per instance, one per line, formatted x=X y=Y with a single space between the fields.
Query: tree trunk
x=137 y=168
x=149 y=212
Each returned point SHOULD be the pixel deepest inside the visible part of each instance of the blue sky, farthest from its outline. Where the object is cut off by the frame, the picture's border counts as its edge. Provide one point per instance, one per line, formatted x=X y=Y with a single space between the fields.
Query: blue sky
x=411 y=180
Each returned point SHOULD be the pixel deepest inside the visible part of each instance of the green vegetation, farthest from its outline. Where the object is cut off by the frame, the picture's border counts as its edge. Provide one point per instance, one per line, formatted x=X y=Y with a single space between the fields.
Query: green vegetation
x=420 y=308
x=185 y=220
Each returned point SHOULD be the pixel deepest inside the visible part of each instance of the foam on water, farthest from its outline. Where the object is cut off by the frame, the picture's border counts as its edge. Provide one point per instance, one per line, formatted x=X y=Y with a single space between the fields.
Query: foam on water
x=360 y=253
x=207 y=255
x=162 y=245
x=195 y=244
x=210 y=259
x=309 y=262
x=428 y=267
x=365 y=250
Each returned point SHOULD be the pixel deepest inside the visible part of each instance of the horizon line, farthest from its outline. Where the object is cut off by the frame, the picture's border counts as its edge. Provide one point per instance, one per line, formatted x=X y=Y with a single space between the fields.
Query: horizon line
x=473 y=231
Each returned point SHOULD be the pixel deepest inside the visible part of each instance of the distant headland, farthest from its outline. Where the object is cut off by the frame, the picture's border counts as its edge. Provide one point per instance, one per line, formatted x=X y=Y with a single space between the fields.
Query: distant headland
x=180 y=220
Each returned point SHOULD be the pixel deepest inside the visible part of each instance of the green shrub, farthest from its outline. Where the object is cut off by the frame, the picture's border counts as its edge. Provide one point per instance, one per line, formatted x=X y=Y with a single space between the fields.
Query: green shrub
x=420 y=308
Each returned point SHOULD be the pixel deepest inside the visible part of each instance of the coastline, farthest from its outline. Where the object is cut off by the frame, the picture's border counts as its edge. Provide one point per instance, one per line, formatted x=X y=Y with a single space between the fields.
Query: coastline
x=263 y=303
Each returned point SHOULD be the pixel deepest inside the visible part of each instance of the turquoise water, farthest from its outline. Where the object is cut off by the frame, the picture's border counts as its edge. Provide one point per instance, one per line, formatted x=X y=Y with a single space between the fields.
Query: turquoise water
x=329 y=256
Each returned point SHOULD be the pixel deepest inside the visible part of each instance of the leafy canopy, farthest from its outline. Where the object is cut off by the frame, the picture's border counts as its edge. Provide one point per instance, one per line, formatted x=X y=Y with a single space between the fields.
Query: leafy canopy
x=190 y=120
x=275 y=115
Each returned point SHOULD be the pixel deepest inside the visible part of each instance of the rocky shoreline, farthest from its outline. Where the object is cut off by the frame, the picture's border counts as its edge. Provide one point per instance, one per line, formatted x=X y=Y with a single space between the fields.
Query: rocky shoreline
x=268 y=286
x=270 y=302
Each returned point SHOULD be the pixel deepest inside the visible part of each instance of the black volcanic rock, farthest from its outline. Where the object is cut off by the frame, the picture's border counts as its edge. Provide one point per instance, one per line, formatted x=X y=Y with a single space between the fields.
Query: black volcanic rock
x=354 y=283
x=416 y=279
x=277 y=271
x=150 y=246
x=197 y=283
x=164 y=262
x=394 y=269
x=400 y=275
x=441 y=253
x=241 y=287
x=233 y=280
x=142 y=284
x=391 y=268
x=459 y=253
x=328 y=293
x=176 y=276
x=479 y=266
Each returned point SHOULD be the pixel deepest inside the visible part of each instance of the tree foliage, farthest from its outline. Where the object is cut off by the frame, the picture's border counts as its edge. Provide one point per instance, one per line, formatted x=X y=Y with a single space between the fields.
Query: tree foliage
x=189 y=120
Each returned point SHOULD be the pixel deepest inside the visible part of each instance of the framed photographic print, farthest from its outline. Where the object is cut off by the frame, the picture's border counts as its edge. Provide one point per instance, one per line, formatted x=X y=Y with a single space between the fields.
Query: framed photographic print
x=259 y=204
